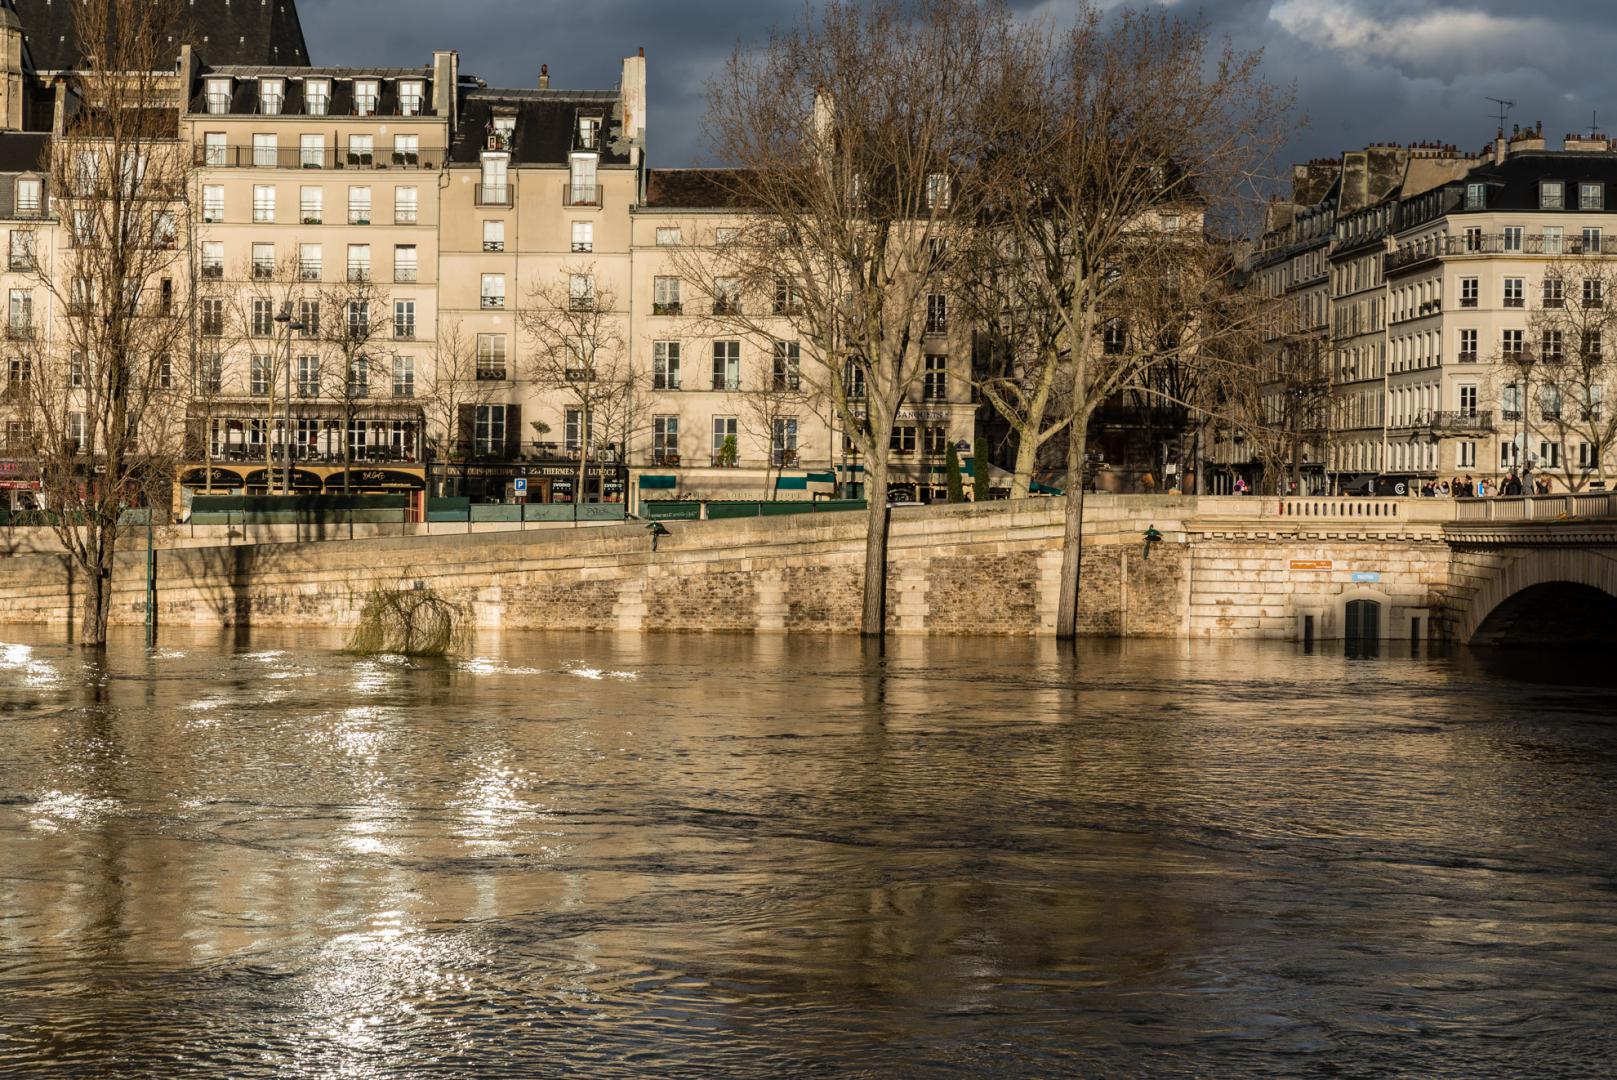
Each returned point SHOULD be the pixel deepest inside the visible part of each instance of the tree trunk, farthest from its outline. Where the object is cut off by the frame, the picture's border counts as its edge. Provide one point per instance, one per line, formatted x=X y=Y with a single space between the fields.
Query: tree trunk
x=97 y=596
x=1072 y=536
x=873 y=614
x=583 y=456
x=1027 y=454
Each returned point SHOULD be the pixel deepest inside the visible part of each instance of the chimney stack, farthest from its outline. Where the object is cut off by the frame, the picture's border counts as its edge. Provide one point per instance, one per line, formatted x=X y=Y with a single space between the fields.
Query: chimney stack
x=544 y=76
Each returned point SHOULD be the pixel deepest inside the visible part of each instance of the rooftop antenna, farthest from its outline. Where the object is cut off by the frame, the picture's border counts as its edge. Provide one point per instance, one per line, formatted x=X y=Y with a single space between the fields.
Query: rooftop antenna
x=1504 y=112
x=1594 y=123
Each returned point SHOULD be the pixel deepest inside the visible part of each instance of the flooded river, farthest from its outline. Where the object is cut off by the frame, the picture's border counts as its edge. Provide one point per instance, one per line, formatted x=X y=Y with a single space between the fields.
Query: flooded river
x=663 y=856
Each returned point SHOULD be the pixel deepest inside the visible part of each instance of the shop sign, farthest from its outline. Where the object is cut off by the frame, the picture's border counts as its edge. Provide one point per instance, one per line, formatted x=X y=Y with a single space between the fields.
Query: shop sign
x=385 y=479
x=1310 y=564
x=301 y=478
x=221 y=476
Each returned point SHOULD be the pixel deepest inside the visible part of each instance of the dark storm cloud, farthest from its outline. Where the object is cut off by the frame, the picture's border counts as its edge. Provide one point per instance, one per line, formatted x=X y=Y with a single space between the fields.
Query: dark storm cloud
x=1365 y=70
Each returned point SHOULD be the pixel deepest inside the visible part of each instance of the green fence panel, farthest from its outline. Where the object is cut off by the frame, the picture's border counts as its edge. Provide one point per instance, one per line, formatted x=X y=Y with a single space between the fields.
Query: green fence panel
x=547 y=512
x=454 y=503
x=449 y=515
x=719 y=511
x=671 y=510
x=603 y=511
x=497 y=512
x=834 y=505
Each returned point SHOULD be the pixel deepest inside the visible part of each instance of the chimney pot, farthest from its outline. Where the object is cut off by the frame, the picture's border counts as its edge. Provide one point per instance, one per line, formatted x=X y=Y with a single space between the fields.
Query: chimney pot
x=544 y=76
x=642 y=50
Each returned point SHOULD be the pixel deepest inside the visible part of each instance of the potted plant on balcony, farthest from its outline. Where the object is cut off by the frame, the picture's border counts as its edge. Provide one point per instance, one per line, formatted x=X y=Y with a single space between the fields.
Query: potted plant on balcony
x=728 y=454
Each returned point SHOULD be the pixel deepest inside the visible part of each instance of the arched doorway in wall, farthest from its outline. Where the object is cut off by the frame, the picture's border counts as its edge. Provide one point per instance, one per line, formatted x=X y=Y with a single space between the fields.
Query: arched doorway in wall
x=1361 y=627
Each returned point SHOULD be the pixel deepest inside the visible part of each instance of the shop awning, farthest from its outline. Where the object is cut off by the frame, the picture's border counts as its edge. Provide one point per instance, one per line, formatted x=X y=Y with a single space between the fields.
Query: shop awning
x=649 y=482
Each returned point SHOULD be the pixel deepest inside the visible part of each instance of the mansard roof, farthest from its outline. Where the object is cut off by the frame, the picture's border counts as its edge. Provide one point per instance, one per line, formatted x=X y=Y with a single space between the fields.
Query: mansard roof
x=546 y=129
x=1513 y=184
x=221 y=32
x=692 y=189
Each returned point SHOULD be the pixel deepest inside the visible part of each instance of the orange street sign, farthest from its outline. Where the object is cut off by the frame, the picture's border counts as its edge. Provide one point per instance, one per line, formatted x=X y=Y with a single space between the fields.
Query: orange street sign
x=1310 y=564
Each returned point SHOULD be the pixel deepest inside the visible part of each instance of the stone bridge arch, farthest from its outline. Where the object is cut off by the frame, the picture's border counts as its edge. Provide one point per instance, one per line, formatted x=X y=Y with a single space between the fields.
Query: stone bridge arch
x=1570 y=582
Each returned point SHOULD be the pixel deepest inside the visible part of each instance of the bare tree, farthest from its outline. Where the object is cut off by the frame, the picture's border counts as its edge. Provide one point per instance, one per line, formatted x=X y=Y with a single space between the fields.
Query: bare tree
x=354 y=353
x=105 y=418
x=1566 y=370
x=856 y=133
x=581 y=356
x=772 y=409
x=450 y=386
x=1134 y=132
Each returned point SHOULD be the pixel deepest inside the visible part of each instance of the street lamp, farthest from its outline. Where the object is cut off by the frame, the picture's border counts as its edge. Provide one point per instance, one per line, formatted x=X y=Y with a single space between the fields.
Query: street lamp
x=285 y=318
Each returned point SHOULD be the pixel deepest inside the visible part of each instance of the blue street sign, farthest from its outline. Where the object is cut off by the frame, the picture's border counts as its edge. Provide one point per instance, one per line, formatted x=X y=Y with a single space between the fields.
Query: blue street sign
x=1366 y=577
x=520 y=485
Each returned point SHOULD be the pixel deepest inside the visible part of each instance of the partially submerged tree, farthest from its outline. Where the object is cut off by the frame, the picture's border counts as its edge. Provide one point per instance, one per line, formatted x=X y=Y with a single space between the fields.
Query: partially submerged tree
x=104 y=401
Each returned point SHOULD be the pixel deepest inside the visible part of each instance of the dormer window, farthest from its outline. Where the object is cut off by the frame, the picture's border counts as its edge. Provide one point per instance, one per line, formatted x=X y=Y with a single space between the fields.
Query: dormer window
x=1591 y=196
x=1476 y=196
x=271 y=96
x=30 y=195
x=411 y=93
x=218 y=96
x=317 y=96
x=937 y=191
x=504 y=130
x=589 y=128
x=1551 y=195
x=366 y=91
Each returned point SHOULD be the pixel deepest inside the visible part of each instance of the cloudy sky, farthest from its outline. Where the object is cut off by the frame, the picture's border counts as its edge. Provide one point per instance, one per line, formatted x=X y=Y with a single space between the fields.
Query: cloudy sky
x=1365 y=70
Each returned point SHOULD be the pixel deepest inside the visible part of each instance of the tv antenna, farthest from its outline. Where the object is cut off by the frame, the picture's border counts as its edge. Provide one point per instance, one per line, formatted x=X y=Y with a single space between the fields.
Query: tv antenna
x=1594 y=123
x=1504 y=111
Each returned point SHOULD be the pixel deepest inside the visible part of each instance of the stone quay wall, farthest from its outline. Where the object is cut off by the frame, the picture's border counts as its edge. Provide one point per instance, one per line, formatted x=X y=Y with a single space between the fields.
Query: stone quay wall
x=1225 y=568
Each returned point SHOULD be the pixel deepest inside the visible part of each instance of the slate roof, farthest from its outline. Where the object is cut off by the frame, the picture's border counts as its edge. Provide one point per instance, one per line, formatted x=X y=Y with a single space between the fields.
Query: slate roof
x=24 y=151
x=546 y=124
x=1513 y=184
x=221 y=32
x=244 y=94
x=692 y=189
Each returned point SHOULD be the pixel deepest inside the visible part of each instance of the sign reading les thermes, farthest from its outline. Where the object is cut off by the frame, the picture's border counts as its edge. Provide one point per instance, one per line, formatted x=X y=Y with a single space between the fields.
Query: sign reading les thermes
x=1310 y=564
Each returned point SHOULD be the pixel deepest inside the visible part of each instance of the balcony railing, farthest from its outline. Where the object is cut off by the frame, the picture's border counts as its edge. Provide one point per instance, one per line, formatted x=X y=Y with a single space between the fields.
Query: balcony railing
x=488 y=302
x=404 y=275
x=580 y=194
x=405 y=217
x=1491 y=244
x=404 y=333
x=491 y=374
x=19 y=332
x=493 y=245
x=298 y=157
x=1461 y=420
x=673 y=308
x=1468 y=357
x=492 y=195
x=356 y=272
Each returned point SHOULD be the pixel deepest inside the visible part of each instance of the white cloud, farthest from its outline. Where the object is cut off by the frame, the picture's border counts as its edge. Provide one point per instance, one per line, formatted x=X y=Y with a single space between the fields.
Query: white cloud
x=1442 y=42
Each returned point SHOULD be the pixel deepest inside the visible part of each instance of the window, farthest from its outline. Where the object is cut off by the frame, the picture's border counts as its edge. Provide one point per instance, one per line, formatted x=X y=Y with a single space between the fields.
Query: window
x=583 y=236
x=665 y=440
x=317 y=96
x=1510 y=401
x=1113 y=337
x=1553 y=237
x=1550 y=347
x=788 y=297
x=496 y=176
x=1468 y=399
x=1468 y=292
x=22 y=249
x=20 y=314
x=312 y=205
x=1586 y=456
x=853 y=379
x=726 y=448
x=1594 y=293
x=934 y=440
x=411 y=93
x=668 y=236
x=724 y=235
x=75 y=370
x=266 y=153
x=1514 y=296
x=1468 y=346
x=404 y=319
x=491 y=356
x=405 y=205
x=365 y=95
x=30 y=196
x=1473 y=239
x=271 y=96
x=581 y=184
x=213 y=315
x=727 y=296
x=588 y=127
x=1549 y=454
x=311 y=151
x=359 y=206
x=311 y=262
x=83 y=227
x=937 y=313
x=1554 y=292
x=308 y=376
x=1465 y=455
x=1592 y=346
x=263 y=203
x=787 y=368
x=665 y=295
x=783 y=441
x=361 y=150
x=1476 y=196
x=580 y=291
x=359 y=319
x=935 y=378
x=1591 y=196
x=213 y=204
x=404 y=376
x=210 y=374
x=263 y=317
x=505 y=127
x=1511 y=343
x=1594 y=396
x=263 y=261
x=665 y=365
x=359 y=378
x=1551 y=195
x=259 y=376
x=903 y=439
x=404 y=263
x=493 y=236
x=165 y=372
x=76 y=428
x=18 y=373
x=309 y=316
x=218 y=96
x=1513 y=238
x=407 y=150
x=493 y=291
x=359 y=262
x=937 y=191
x=727 y=365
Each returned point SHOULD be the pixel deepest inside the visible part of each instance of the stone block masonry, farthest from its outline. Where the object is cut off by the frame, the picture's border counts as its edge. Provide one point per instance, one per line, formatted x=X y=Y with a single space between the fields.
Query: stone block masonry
x=1226 y=567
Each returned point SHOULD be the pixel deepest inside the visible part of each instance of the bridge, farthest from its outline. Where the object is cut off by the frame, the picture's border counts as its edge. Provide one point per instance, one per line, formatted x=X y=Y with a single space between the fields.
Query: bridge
x=1537 y=570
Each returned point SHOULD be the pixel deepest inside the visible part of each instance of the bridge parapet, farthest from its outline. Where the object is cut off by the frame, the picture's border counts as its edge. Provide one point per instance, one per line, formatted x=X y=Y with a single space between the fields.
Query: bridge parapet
x=1587 y=504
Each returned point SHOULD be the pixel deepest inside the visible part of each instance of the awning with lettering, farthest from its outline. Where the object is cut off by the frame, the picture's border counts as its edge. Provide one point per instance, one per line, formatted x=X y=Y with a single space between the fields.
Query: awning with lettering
x=649 y=482
x=378 y=479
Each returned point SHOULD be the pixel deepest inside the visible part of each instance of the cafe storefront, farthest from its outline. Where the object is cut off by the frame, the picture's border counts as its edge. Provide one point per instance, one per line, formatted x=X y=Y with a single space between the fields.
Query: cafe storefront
x=544 y=482
x=359 y=479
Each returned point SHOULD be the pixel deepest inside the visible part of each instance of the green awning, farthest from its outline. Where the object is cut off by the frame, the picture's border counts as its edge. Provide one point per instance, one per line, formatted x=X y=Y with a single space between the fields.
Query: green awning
x=791 y=483
x=658 y=483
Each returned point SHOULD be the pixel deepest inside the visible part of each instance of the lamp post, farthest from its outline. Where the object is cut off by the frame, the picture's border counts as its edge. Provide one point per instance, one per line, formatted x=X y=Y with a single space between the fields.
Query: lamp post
x=285 y=318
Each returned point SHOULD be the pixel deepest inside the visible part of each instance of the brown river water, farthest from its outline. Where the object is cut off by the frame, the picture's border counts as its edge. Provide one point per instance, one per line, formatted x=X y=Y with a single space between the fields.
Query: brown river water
x=598 y=855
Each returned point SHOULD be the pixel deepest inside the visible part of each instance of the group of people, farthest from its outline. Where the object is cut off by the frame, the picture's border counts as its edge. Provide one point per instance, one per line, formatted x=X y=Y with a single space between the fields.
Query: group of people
x=1467 y=488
